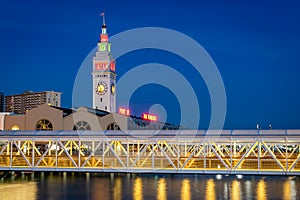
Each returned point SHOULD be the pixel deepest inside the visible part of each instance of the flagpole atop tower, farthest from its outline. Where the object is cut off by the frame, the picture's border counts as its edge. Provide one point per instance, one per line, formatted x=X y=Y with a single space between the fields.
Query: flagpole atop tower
x=103 y=17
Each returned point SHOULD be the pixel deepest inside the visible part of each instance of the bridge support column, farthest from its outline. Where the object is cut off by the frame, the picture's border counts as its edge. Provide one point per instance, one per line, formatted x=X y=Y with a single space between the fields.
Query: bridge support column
x=23 y=175
x=32 y=175
x=12 y=176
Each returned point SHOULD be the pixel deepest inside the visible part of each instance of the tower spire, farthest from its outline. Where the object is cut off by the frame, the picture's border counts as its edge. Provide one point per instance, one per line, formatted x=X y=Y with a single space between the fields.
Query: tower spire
x=103 y=23
x=103 y=18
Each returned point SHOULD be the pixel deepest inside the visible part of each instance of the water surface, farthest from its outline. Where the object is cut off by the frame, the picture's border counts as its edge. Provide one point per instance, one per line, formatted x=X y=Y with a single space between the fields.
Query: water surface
x=148 y=186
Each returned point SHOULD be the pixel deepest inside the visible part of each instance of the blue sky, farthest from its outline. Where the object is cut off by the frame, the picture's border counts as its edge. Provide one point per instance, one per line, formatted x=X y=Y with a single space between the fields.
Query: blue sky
x=255 y=45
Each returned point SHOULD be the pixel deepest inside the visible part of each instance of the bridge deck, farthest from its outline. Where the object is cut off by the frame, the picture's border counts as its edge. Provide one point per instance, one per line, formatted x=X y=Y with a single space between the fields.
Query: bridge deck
x=192 y=151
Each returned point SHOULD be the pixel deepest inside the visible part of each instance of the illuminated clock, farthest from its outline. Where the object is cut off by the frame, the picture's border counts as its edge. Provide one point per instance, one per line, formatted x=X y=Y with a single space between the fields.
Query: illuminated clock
x=113 y=89
x=102 y=47
x=108 y=47
x=101 y=88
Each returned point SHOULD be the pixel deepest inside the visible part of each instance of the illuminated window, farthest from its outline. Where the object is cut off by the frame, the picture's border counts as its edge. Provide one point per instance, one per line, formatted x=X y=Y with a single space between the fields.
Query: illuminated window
x=82 y=125
x=113 y=126
x=15 y=128
x=44 y=125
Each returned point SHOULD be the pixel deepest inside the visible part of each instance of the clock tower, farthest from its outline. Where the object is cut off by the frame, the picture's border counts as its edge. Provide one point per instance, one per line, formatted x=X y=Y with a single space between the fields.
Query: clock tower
x=104 y=74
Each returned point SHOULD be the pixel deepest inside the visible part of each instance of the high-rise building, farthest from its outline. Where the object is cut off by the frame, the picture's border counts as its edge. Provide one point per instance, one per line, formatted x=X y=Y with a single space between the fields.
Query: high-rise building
x=2 y=103
x=104 y=75
x=20 y=103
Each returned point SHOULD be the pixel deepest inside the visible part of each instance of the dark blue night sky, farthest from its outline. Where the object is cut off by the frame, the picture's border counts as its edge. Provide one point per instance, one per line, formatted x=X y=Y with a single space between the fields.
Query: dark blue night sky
x=255 y=45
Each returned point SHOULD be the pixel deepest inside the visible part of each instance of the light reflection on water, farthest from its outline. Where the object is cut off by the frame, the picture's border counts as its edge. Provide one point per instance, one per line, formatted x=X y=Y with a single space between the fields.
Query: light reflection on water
x=248 y=190
x=185 y=190
x=20 y=190
x=261 y=190
x=118 y=189
x=161 y=189
x=236 y=190
x=210 y=193
x=148 y=186
x=289 y=190
x=138 y=189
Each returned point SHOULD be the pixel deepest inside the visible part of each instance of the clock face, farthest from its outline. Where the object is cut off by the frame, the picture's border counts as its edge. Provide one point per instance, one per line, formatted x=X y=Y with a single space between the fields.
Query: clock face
x=101 y=88
x=113 y=89
x=102 y=47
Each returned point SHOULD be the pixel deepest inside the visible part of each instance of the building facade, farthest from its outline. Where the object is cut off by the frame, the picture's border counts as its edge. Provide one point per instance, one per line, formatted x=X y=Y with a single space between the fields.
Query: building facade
x=104 y=75
x=2 y=102
x=20 y=103
x=49 y=118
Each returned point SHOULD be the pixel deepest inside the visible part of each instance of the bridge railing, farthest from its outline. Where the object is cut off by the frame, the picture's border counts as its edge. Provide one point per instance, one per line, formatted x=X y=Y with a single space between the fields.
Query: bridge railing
x=236 y=152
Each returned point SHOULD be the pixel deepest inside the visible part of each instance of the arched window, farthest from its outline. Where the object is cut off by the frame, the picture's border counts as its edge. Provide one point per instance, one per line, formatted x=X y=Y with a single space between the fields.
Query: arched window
x=113 y=126
x=44 y=125
x=15 y=128
x=82 y=125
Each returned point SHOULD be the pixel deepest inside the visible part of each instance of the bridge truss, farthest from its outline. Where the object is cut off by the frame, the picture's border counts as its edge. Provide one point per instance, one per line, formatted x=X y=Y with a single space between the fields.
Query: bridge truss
x=219 y=152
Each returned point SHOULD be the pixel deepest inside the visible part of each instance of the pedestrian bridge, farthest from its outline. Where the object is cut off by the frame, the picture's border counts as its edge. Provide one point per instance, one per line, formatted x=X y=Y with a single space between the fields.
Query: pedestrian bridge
x=144 y=151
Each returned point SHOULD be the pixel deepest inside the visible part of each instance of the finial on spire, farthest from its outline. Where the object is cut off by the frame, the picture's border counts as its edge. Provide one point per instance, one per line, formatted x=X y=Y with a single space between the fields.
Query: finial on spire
x=103 y=18
x=103 y=25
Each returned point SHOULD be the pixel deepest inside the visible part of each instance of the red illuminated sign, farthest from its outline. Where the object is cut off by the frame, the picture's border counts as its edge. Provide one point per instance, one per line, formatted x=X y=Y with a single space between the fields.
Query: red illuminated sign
x=113 y=66
x=103 y=38
x=101 y=65
x=124 y=111
x=104 y=66
x=150 y=117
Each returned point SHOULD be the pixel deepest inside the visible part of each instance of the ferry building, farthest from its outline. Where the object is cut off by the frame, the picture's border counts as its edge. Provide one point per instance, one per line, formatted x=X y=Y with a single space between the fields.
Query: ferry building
x=103 y=116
